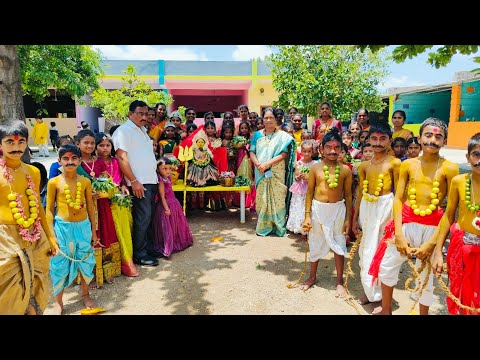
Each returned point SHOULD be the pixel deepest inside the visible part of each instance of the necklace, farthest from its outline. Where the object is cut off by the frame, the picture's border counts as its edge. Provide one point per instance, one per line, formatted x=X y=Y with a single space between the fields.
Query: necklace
x=16 y=206
x=268 y=137
x=92 y=173
x=378 y=189
x=77 y=204
x=334 y=183
x=470 y=204
x=412 y=194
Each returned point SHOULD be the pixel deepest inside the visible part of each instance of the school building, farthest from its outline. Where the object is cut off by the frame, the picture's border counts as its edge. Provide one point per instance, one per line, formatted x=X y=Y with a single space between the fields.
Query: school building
x=221 y=86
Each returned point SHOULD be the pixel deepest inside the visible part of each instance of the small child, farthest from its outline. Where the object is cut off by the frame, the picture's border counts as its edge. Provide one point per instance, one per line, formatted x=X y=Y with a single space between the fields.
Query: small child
x=299 y=188
x=413 y=148
x=367 y=152
x=171 y=230
x=55 y=168
x=168 y=140
x=191 y=128
x=53 y=135
x=399 y=147
x=259 y=123
x=355 y=129
x=328 y=205
x=156 y=149
x=74 y=227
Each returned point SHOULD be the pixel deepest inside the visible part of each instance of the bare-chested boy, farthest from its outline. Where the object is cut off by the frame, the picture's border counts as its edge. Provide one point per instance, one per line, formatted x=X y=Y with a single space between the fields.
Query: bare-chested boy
x=463 y=252
x=328 y=207
x=74 y=227
x=25 y=238
x=374 y=204
x=417 y=213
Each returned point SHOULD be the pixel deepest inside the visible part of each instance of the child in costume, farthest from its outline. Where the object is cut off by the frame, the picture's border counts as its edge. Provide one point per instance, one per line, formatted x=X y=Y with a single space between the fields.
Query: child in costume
x=328 y=207
x=74 y=227
x=171 y=229
x=464 y=249
x=26 y=240
x=299 y=188
x=122 y=216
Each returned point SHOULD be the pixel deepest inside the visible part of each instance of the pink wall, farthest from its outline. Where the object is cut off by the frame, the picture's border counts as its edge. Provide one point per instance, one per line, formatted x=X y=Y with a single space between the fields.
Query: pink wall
x=208 y=103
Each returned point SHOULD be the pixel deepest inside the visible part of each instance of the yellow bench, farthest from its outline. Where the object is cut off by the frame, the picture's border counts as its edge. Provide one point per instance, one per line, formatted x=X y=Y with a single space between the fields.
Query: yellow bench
x=178 y=186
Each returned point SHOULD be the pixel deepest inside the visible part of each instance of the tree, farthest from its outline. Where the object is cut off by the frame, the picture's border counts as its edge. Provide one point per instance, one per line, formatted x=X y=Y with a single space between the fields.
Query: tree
x=114 y=104
x=306 y=75
x=438 y=58
x=33 y=69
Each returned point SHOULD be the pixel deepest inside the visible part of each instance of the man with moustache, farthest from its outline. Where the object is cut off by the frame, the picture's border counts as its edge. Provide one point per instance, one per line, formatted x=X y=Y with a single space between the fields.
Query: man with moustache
x=416 y=215
x=137 y=162
x=26 y=241
x=374 y=203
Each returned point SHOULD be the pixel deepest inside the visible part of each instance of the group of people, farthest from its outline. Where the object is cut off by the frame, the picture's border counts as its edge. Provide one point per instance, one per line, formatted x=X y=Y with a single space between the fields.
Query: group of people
x=327 y=184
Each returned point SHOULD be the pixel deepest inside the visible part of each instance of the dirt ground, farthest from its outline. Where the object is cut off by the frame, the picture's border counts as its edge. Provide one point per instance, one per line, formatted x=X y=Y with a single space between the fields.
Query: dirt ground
x=241 y=274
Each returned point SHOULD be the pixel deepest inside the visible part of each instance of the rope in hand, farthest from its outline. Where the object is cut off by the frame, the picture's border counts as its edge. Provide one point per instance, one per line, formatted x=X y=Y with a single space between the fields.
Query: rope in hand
x=349 y=271
x=416 y=274
x=290 y=286
x=85 y=257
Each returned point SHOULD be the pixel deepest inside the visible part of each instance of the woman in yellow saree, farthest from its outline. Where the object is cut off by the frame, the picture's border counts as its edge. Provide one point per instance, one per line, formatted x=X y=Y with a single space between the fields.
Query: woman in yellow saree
x=272 y=152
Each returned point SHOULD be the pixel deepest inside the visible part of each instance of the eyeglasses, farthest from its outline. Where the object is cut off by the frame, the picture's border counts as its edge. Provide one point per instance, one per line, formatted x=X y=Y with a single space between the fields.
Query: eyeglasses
x=141 y=113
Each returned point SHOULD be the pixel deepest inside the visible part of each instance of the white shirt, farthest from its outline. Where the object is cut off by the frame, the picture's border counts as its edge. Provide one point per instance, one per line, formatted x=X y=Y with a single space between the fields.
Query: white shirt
x=137 y=144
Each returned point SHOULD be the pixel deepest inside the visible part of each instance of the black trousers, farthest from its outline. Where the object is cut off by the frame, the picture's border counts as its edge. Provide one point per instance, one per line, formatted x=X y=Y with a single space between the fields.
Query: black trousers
x=143 y=212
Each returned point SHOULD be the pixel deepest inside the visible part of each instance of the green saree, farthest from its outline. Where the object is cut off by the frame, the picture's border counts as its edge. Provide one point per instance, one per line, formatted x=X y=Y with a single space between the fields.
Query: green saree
x=273 y=197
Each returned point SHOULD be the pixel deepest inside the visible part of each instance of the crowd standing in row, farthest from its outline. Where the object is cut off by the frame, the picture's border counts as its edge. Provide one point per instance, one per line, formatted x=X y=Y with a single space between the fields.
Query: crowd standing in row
x=328 y=184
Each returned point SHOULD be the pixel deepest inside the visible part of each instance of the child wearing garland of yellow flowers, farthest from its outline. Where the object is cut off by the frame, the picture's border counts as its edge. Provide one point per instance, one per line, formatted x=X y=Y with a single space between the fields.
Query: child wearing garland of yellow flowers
x=462 y=256
x=328 y=205
x=422 y=186
x=25 y=238
x=374 y=204
x=74 y=227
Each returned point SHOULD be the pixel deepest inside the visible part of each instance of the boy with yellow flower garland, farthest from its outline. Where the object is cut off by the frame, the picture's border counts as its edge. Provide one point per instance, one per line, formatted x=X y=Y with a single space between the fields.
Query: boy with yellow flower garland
x=25 y=239
x=374 y=203
x=74 y=227
x=328 y=205
x=462 y=256
x=416 y=217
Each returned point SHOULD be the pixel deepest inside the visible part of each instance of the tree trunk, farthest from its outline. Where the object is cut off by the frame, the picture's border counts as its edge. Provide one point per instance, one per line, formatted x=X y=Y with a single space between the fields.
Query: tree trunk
x=11 y=97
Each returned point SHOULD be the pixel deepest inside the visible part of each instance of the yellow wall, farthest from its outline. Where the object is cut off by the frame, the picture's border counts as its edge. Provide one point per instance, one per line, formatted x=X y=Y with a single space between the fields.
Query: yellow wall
x=257 y=99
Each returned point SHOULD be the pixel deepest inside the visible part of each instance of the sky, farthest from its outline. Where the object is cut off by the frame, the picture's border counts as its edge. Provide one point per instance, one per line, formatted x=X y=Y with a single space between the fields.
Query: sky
x=412 y=72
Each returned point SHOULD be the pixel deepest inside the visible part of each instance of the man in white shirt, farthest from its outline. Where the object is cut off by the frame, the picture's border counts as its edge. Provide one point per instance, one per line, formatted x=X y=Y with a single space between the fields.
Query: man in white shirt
x=134 y=151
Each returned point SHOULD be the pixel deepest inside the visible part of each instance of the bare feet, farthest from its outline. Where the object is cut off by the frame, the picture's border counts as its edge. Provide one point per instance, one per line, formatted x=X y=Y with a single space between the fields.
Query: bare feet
x=88 y=301
x=110 y=280
x=340 y=292
x=307 y=284
x=93 y=285
x=363 y=300
x=58 y=309
x=377 y=310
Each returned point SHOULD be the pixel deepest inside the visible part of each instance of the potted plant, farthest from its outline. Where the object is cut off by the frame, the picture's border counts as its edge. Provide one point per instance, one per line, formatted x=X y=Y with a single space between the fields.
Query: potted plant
x=227 y=178
x=105 y=187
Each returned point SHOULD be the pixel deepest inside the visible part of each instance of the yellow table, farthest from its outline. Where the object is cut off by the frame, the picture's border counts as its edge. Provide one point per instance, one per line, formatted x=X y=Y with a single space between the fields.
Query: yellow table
x=178 y=186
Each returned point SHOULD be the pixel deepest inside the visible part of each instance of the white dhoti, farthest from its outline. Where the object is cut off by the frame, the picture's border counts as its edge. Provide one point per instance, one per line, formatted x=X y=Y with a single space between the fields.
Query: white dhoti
x=326 y=232
x=373 y=217
x=416 y=234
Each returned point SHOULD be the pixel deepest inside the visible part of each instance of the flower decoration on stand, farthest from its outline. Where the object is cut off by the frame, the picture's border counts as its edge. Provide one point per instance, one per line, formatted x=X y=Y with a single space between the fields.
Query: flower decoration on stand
x=227 y=178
